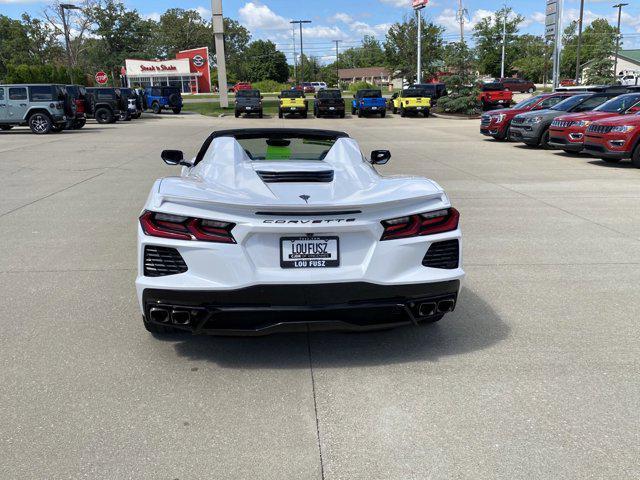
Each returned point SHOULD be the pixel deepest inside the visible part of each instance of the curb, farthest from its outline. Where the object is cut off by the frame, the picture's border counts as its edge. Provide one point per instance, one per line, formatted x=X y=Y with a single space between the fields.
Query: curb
x=455 y=117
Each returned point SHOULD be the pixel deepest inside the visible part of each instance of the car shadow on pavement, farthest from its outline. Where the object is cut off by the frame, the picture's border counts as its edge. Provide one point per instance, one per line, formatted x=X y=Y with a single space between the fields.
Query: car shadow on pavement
x=473 y=326
x=621 y=164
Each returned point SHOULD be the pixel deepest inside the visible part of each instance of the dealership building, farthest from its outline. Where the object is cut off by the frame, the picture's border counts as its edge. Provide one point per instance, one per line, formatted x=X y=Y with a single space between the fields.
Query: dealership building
x=189 y=71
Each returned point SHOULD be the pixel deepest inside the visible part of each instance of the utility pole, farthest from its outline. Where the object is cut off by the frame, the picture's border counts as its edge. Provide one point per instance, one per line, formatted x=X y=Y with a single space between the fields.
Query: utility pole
x=557 y=45
x=337 y=69
x=65 y=27
x=295 y=60
x=579 y=41
x=504 y=39
x=419 y=65
x=460 y=17
x=300 y=22
x=615 y=63
x=218 y=36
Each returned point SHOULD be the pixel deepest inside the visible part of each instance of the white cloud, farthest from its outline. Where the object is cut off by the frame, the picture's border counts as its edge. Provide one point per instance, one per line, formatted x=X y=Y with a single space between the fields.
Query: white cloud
x=324 y=32
x=447 y=19
x=155 y=16
x=204 y=12
x=17 y=2
x=363 y=28
x=341 y=17
x=534 y=18
x=256 y=16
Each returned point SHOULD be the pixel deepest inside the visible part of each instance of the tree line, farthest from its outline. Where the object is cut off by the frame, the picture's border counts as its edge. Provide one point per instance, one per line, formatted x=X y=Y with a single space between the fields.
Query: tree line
x=106 y=32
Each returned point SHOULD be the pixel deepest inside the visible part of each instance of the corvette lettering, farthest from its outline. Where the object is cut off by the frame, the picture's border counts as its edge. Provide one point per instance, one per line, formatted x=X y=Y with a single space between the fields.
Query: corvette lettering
x=331 y=220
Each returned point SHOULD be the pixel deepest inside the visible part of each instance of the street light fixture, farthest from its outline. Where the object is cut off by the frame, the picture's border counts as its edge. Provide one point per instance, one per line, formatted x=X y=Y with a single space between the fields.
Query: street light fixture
x=63 y=7
x=615 y=63
x=300 y=22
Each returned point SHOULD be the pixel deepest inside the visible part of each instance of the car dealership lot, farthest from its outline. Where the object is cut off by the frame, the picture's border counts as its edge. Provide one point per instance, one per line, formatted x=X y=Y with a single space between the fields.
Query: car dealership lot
x=535 y=375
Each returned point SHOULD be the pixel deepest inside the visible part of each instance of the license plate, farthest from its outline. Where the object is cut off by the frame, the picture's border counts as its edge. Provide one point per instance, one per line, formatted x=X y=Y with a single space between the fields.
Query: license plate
x=374 y=108
x=293 y=108
x=332 y=108
x=500 y=101
x=247 y=108
x=419 y=108
x=309 y=252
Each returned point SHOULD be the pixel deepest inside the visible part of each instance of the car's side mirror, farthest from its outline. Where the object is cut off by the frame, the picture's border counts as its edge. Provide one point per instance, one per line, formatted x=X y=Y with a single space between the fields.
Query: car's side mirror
x=174 y=157
x=380 y=157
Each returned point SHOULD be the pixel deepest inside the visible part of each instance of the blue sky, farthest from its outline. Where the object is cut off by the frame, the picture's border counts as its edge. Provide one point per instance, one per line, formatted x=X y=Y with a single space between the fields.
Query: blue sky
x=349 y=20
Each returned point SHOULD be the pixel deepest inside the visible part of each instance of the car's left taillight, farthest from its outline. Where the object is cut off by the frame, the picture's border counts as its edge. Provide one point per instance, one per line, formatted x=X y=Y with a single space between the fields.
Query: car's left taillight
x=427 y=223
x=179 y=227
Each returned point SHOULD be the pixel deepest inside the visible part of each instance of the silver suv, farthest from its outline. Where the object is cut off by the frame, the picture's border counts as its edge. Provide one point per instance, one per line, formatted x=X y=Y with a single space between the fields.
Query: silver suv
x=41 y=107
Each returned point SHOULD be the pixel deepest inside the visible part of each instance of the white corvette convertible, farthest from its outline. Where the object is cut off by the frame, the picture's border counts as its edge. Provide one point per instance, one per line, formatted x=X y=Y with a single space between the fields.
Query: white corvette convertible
x=270 y=230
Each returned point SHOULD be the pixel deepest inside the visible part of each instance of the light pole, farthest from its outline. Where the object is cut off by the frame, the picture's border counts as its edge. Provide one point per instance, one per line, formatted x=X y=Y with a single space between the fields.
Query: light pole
x=63 y=7
x=615 y=62
x=295 y=55
x=579 y=41
x=300 y=22
x=217 y=22
x=504 y=39
x=418 y=5
x=337 y=69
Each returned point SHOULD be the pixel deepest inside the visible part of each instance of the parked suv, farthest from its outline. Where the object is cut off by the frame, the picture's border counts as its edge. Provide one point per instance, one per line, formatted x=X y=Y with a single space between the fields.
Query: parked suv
x=328 y=102
x=41 y=107
x=159 y=98
x=410 y=100
x=518 y=85
x=76 y=118
x=614 y=138
x=248 y=101
x=103 y=104
x=532 y=128
x=368 y=101
x=494 y=95
x=432 y=90
x=496 y=123
x=567 y=131
x=292 y=101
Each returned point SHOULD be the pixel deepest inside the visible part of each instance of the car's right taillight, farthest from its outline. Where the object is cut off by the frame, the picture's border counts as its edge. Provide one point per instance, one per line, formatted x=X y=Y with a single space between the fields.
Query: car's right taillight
x=179 y=227
x=420 y=224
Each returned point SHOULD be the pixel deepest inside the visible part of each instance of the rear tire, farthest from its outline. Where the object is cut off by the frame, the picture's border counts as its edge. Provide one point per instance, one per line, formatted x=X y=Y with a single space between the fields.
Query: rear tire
x=402 y=112
x=304 y=115
x=236 y=114
x=353 y=111
x=383 y=114
x=342 y=114
x=359 y=113
x=176 y=110
x=78 y=124
x=156 y=108
x=395 y=111
x=104 y=115
x=40 y=123
x=427 y=113
x=635 y=156
x=260 y=114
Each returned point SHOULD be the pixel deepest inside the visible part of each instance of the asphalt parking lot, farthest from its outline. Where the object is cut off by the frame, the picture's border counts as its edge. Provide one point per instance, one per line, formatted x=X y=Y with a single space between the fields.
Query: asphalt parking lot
x=534 y=376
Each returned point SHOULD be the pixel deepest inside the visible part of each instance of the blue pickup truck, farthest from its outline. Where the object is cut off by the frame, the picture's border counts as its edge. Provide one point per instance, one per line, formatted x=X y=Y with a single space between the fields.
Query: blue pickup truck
x=368 y=101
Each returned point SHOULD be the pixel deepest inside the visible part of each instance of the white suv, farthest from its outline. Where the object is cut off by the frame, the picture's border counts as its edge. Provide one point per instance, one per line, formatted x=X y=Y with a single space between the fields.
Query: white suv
x=319 y=86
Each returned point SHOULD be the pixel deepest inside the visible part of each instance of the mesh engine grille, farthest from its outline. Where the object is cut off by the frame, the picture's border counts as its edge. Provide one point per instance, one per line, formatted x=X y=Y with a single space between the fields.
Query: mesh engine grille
x=442 y=255
x=276 y=177
x=600 y=128
x=161 y=261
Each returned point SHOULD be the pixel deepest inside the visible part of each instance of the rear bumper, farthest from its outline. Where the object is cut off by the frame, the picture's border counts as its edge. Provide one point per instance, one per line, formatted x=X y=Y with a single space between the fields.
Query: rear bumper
x=293 y=109
x=265 y=309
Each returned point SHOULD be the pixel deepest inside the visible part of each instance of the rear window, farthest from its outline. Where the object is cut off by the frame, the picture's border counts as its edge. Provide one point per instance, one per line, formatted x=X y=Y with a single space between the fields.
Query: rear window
x=248 y=93
x=369 y=94
x=283 y=149
x=166 y=91
x=291 y=94
x=414 y=92
x=329 y=94
x=41 y=93
x=105 y=94
x=492 y=87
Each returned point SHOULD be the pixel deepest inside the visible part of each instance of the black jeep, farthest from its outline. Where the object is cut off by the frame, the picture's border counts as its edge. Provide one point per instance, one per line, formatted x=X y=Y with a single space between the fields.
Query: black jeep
x=103 y=104
x=328 y=102
x=248 y=101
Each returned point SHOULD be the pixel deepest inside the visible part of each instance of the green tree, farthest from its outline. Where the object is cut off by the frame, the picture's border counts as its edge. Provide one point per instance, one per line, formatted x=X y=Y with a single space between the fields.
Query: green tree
x=369 y=54
x=461 y=84
x=487 y=35
x=598 y=44
x=14 y=41
x=533 y=58
x=400 y=48
x=44 y=46
x=264 y=62
x=181 y=29
x=121 y=34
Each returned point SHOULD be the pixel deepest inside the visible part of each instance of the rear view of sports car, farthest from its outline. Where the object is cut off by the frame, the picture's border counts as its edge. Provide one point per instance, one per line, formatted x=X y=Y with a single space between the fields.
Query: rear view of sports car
x=270 y=230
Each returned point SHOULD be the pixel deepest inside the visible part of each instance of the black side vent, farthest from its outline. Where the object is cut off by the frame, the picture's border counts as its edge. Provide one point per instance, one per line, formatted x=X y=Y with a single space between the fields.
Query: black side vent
x=442 y=255
x=161 y=261
x=278 y=177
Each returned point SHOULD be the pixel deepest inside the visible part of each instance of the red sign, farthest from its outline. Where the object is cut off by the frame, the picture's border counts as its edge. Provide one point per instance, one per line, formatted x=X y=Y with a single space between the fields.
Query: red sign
x=418 y=4
x=101 y=78
x=199 y=63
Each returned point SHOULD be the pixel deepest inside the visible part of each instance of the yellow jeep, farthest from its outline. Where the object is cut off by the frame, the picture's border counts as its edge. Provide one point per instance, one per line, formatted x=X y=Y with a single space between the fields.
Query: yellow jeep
x=411 y=100
x=292 y=101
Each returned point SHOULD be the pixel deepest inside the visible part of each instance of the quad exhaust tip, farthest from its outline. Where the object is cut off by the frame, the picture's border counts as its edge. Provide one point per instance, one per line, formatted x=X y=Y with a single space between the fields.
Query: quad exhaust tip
x=159 y=315
x=445 y=306
x=427 y=309
x=180 y=317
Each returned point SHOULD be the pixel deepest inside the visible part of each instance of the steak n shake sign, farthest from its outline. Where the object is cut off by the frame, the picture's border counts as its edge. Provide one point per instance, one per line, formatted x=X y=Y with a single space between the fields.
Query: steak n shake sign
x=140 y=67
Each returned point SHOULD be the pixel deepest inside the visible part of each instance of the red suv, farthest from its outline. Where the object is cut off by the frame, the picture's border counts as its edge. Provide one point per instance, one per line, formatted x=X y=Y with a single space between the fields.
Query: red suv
x=240 y=86
x=614 y=138
x=518 y=85
x=567 y=131
x=496 y=122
